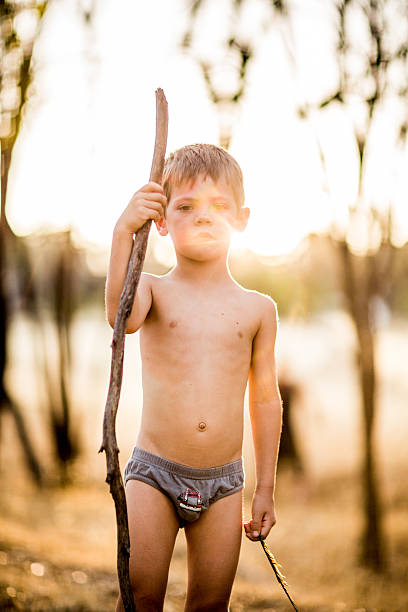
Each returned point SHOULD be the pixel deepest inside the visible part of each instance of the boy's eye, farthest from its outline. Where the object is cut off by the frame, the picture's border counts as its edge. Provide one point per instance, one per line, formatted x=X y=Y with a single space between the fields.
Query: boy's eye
x=219 y=205
x=185 y=207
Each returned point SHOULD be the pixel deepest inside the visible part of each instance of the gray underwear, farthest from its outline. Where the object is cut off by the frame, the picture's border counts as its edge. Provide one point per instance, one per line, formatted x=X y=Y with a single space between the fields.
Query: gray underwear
x=190 y=489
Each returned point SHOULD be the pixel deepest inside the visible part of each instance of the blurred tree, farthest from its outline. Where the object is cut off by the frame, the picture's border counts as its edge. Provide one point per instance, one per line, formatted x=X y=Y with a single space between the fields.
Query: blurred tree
x=56 y=300
x=225 y=73
x=19 y=27
x=372 y=72
x=370 y=77
x=288 y=450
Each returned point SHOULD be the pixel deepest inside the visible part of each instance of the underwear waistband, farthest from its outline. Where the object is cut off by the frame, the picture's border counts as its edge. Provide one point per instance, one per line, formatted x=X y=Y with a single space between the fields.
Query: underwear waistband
x=235 y=467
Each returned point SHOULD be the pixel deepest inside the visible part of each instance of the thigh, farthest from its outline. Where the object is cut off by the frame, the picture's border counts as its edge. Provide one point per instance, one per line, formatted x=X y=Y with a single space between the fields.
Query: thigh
x=213 y=546
x=153 y=527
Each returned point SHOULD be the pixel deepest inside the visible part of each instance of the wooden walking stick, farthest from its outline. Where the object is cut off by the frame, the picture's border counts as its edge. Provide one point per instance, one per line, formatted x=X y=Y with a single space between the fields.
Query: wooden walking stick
x=109 y=443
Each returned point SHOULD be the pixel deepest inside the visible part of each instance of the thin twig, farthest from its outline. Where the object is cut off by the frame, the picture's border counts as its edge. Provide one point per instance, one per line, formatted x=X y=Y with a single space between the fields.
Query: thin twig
x=109 y=443
x=279 y=576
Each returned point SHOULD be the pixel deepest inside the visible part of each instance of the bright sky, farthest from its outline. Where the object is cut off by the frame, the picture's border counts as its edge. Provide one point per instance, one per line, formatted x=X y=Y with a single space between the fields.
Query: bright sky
x=87 y=143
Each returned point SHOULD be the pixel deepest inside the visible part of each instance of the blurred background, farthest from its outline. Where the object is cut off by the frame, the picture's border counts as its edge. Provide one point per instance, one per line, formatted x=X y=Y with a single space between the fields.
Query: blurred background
x=312 y=100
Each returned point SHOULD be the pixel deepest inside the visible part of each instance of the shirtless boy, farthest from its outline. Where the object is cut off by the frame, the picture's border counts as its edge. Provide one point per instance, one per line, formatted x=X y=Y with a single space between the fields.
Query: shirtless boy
x=202 y=336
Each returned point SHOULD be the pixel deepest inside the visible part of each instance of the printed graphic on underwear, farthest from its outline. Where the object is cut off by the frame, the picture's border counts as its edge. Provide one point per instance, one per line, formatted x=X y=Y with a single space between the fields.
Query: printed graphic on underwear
x=190 y=500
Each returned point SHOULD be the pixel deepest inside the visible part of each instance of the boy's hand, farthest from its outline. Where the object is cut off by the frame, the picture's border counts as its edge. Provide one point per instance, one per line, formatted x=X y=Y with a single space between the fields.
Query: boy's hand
x=147 y=203
x=263 y=515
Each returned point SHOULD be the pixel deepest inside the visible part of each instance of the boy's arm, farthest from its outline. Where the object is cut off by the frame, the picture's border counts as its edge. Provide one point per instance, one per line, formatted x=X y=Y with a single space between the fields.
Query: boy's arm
x=265 y=408
x=147 y=203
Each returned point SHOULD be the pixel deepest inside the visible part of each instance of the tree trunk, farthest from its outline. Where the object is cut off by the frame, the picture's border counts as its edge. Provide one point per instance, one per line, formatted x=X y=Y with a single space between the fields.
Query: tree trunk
x=63 y=305
x=357 y=289
x=6 y=403
x=5 y=167
x=372 y=543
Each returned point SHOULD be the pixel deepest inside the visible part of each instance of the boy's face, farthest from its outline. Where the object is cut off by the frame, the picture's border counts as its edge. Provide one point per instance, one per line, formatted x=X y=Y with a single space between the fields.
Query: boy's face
x=200 y=217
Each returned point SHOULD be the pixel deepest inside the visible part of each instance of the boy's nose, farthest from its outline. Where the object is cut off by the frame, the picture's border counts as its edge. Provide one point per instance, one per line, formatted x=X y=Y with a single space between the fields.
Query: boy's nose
x=202 y=218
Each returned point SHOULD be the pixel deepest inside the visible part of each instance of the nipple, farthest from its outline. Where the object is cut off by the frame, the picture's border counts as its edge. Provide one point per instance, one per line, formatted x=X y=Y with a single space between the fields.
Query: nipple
x=202 y=426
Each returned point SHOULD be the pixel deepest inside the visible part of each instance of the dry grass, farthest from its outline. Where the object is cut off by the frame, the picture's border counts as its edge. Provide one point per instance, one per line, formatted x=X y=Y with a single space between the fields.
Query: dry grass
x=58 y=552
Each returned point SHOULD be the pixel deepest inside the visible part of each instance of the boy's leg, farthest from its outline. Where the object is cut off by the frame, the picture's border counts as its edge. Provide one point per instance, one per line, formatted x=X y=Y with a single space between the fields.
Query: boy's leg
x=153 y=527
x=213 y=545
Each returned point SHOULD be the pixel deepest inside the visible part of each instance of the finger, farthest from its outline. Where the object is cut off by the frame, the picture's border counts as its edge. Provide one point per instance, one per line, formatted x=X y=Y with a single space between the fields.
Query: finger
x=143 y=197
x=256 y=526
x=267 y=525
x=248 y=531
x=148 y=213
x=147 y=210
x=152 y=186
x=152 y=205
x=251 y=537
x=152 y=196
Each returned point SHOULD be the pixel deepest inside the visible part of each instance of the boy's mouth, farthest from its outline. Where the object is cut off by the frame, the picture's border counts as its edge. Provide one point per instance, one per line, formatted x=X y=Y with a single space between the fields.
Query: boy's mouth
x=205 y=235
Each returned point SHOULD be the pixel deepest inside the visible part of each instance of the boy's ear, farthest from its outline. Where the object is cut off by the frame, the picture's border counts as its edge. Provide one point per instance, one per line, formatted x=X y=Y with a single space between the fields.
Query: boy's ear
x=162 y=227
x=242 y=219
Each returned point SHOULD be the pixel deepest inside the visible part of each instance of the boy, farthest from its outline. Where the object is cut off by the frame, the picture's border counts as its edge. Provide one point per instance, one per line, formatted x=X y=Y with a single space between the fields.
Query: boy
x=201 y=337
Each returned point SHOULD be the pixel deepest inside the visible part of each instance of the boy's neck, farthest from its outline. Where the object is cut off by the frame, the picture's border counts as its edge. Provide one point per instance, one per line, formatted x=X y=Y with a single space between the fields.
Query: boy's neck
x=210 y=272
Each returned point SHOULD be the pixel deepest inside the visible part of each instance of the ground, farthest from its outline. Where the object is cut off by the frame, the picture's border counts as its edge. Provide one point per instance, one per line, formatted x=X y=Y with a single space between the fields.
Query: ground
x=58 y=547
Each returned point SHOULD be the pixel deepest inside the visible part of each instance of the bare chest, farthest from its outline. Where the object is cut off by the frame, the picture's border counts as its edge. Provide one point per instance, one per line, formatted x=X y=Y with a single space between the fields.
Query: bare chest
x=198 y=323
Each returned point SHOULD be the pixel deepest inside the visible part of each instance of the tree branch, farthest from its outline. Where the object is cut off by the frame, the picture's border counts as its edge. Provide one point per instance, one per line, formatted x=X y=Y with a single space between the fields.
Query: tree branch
x=109 y=443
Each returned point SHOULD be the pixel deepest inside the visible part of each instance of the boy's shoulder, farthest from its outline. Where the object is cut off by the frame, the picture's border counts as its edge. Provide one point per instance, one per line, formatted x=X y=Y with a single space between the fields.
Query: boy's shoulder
x=261 y=308
x=257 y=299
x=149 y=280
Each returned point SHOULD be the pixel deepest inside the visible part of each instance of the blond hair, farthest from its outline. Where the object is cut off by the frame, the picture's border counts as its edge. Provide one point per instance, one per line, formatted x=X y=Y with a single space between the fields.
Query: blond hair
x=191 y=161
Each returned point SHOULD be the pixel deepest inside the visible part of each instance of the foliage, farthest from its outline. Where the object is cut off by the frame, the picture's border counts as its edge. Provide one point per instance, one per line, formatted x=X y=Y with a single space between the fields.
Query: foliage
x=224 y=63
x=19 y=27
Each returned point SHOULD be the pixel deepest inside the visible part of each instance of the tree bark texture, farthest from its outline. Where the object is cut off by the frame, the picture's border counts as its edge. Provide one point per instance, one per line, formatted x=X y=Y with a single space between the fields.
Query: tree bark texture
x=109 y=443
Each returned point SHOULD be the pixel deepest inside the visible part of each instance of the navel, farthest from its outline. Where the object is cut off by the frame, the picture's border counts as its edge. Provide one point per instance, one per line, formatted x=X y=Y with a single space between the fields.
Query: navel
x=173 y=324
x=202 y=426
x=240 y=334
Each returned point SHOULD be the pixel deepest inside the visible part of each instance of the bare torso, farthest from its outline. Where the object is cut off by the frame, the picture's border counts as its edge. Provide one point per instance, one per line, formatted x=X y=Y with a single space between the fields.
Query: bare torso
x=196 y=347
